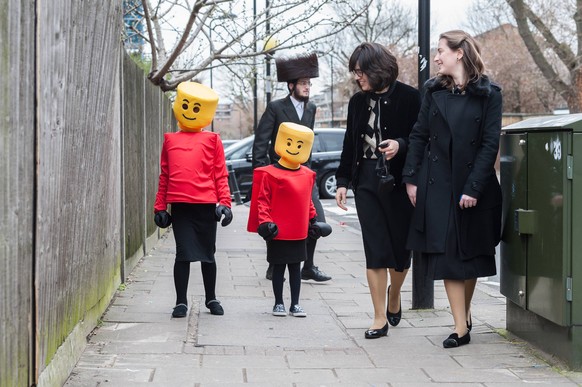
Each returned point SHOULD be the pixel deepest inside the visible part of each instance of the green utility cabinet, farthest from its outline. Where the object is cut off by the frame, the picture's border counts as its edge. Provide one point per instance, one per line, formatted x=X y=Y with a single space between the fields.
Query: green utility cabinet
x=541 y=245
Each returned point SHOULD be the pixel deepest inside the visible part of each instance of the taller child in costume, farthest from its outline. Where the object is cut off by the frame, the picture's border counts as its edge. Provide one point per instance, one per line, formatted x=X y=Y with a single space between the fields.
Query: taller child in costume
x=282 y=211
x=194 y=181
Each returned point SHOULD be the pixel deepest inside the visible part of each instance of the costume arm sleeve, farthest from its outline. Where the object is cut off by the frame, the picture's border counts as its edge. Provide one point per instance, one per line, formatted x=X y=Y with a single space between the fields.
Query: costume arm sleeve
x=262 y=137
x=160 y=204
x=221 y=175
x=264 y=201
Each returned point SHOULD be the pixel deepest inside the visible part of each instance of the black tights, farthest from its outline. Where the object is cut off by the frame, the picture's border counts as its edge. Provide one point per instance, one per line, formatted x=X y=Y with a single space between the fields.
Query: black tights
x=182 y=275
x=294 y=281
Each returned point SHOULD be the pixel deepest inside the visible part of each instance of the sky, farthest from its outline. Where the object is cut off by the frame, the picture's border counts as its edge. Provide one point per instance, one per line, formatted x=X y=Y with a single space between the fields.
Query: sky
x=445 y=15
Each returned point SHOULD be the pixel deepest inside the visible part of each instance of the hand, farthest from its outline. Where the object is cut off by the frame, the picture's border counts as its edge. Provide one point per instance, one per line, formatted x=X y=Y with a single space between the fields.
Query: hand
x=223 y=210
x=268 y=230
x=389 y=148
x=162 y=219
x=318 y=229
x=411 y=191
x=340 y=197
x=467 y=201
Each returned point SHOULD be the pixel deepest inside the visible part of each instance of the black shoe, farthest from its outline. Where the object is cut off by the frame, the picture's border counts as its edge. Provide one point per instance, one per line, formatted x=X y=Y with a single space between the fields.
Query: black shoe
x=454 y=340
x=313 y=273
x=215 y=308
x=180 y=310
x=393 y=318
x=376 y=333
x=470 y=323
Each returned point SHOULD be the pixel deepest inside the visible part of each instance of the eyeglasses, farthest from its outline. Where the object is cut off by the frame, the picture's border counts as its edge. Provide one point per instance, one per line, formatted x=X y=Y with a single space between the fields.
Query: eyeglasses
x=358 y=72
x=304 y=83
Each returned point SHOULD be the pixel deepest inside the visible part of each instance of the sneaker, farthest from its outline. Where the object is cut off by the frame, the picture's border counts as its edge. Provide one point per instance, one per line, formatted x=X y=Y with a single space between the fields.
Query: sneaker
x=279 y=310
x=180 y=310
x=215 y=307
x=313 y=273
x=297 y=311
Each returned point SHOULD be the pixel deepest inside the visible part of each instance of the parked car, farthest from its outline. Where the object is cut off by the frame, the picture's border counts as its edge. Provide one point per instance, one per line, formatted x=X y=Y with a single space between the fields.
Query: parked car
x=325 y=157
x=227 y=143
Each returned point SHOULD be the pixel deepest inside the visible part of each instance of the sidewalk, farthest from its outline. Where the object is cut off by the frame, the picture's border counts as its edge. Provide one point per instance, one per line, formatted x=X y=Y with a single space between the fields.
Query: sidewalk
x=139 y=344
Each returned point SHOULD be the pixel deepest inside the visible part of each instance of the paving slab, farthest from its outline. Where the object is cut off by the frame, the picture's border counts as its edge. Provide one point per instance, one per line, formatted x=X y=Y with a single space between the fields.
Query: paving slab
x=140 y=344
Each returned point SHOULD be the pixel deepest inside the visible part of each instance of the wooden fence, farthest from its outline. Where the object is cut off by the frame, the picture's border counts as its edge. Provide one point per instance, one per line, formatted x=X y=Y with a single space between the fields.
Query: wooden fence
x=80 y=137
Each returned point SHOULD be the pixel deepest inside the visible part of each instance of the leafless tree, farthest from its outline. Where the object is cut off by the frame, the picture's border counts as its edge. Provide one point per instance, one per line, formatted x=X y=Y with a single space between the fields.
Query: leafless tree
x=552 y=33
x=187 y=37
x=385 y=21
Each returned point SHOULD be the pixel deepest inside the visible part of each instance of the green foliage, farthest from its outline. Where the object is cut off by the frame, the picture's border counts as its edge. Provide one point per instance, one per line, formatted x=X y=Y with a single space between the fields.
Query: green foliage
x=143 y=63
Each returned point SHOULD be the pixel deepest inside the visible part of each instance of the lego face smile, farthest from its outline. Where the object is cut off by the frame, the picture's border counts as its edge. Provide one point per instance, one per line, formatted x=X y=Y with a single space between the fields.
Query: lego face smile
x=293 y=144
x=194 y=106
x=185 y=108
x=290 y=145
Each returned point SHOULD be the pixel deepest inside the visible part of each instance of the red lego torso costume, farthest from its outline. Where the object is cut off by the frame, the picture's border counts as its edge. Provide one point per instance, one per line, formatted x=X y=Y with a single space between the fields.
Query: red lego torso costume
x=283 y=197
x=193 y=170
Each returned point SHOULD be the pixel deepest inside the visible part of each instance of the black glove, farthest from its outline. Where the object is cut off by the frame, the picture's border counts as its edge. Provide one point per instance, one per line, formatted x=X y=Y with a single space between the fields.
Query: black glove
x=318 y=229
x=223 y=210
x=268 y=230
x=162 y=219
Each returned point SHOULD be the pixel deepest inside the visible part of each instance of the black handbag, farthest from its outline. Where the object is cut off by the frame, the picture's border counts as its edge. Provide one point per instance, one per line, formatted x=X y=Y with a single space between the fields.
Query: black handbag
x=386 y=182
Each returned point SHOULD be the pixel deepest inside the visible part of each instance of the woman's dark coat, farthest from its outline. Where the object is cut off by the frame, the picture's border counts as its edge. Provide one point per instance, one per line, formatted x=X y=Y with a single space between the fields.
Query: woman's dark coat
x=398 y=112
x=452 y=151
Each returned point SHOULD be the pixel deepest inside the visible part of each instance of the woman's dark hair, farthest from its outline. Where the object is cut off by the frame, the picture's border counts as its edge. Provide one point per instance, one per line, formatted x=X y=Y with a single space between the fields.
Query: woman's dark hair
x=377 y=62
x=472 y=61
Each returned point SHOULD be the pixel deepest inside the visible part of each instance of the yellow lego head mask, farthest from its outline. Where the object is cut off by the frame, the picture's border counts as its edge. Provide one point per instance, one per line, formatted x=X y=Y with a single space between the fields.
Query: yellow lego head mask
x=293 y=144
x=194 y=106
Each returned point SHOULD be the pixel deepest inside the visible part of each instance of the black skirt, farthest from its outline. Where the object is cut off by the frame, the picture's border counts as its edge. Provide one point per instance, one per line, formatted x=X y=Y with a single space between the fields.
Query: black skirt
x=194 y=227
x=452 y=264
x=283 y=252
x=384 y=221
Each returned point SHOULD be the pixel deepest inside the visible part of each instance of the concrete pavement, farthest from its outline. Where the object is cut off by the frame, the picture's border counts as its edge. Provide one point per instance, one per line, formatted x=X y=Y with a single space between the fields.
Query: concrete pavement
x=139 y=344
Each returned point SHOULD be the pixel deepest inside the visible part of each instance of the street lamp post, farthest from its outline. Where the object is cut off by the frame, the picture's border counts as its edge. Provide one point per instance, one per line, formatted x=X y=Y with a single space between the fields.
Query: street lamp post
x=422 y=286
x=269 y=49
x=331 y=91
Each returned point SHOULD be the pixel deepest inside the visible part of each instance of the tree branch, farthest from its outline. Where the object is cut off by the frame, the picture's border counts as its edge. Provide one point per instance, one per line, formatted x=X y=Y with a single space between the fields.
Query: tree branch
x=520 y=13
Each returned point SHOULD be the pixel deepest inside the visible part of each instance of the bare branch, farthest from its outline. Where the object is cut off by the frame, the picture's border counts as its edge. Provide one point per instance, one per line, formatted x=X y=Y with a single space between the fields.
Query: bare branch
x=521 y=17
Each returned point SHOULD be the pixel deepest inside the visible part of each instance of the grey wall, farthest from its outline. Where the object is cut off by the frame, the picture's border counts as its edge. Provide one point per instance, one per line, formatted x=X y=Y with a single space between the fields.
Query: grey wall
x=80 y=136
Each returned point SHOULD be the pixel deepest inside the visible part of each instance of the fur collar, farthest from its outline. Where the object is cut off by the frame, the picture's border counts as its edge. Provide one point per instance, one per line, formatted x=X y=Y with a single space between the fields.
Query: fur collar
x=482 y=87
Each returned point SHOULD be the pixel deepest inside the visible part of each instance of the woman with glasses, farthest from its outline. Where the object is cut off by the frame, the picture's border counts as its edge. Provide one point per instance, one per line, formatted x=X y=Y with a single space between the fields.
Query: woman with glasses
x=450 y=176
x=380 y=118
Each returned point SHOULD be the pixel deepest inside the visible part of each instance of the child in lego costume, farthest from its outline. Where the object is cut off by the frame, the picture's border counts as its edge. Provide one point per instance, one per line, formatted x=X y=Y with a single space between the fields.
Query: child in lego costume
x=194 y=182
x=282 y=211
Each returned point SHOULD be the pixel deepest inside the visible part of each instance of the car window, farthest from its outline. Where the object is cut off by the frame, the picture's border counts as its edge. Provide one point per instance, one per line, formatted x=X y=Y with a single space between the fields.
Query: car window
x=333 y=141
x=241 y=153
x=317 y=145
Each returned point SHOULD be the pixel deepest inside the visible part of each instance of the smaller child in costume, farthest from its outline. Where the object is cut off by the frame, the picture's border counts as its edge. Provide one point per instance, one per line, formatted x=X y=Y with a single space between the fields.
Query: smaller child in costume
x=194 y=181
x=282 y=211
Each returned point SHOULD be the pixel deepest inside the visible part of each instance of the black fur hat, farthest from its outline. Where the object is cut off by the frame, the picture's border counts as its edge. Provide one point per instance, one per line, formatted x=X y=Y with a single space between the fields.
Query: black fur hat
x=303 y=66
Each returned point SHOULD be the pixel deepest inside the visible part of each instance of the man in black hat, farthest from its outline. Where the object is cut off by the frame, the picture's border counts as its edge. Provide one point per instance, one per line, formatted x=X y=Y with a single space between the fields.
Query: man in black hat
x=297 y=72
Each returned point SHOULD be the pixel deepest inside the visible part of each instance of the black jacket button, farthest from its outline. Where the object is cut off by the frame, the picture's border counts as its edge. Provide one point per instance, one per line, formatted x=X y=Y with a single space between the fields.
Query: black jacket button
x=431 y=181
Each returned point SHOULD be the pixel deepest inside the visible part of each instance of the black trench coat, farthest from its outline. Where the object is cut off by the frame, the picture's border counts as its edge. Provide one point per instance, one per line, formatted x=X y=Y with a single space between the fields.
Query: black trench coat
x=452 y=151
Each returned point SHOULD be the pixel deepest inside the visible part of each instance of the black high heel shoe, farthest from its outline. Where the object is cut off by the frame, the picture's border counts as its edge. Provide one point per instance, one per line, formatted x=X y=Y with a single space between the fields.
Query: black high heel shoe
x=393 y=318
x=376 y=333
x=454 y=340
x=470 y=323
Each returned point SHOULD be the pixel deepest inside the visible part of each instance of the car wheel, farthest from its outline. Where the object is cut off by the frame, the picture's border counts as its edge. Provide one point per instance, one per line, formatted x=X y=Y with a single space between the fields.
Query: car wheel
x=327 y=187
